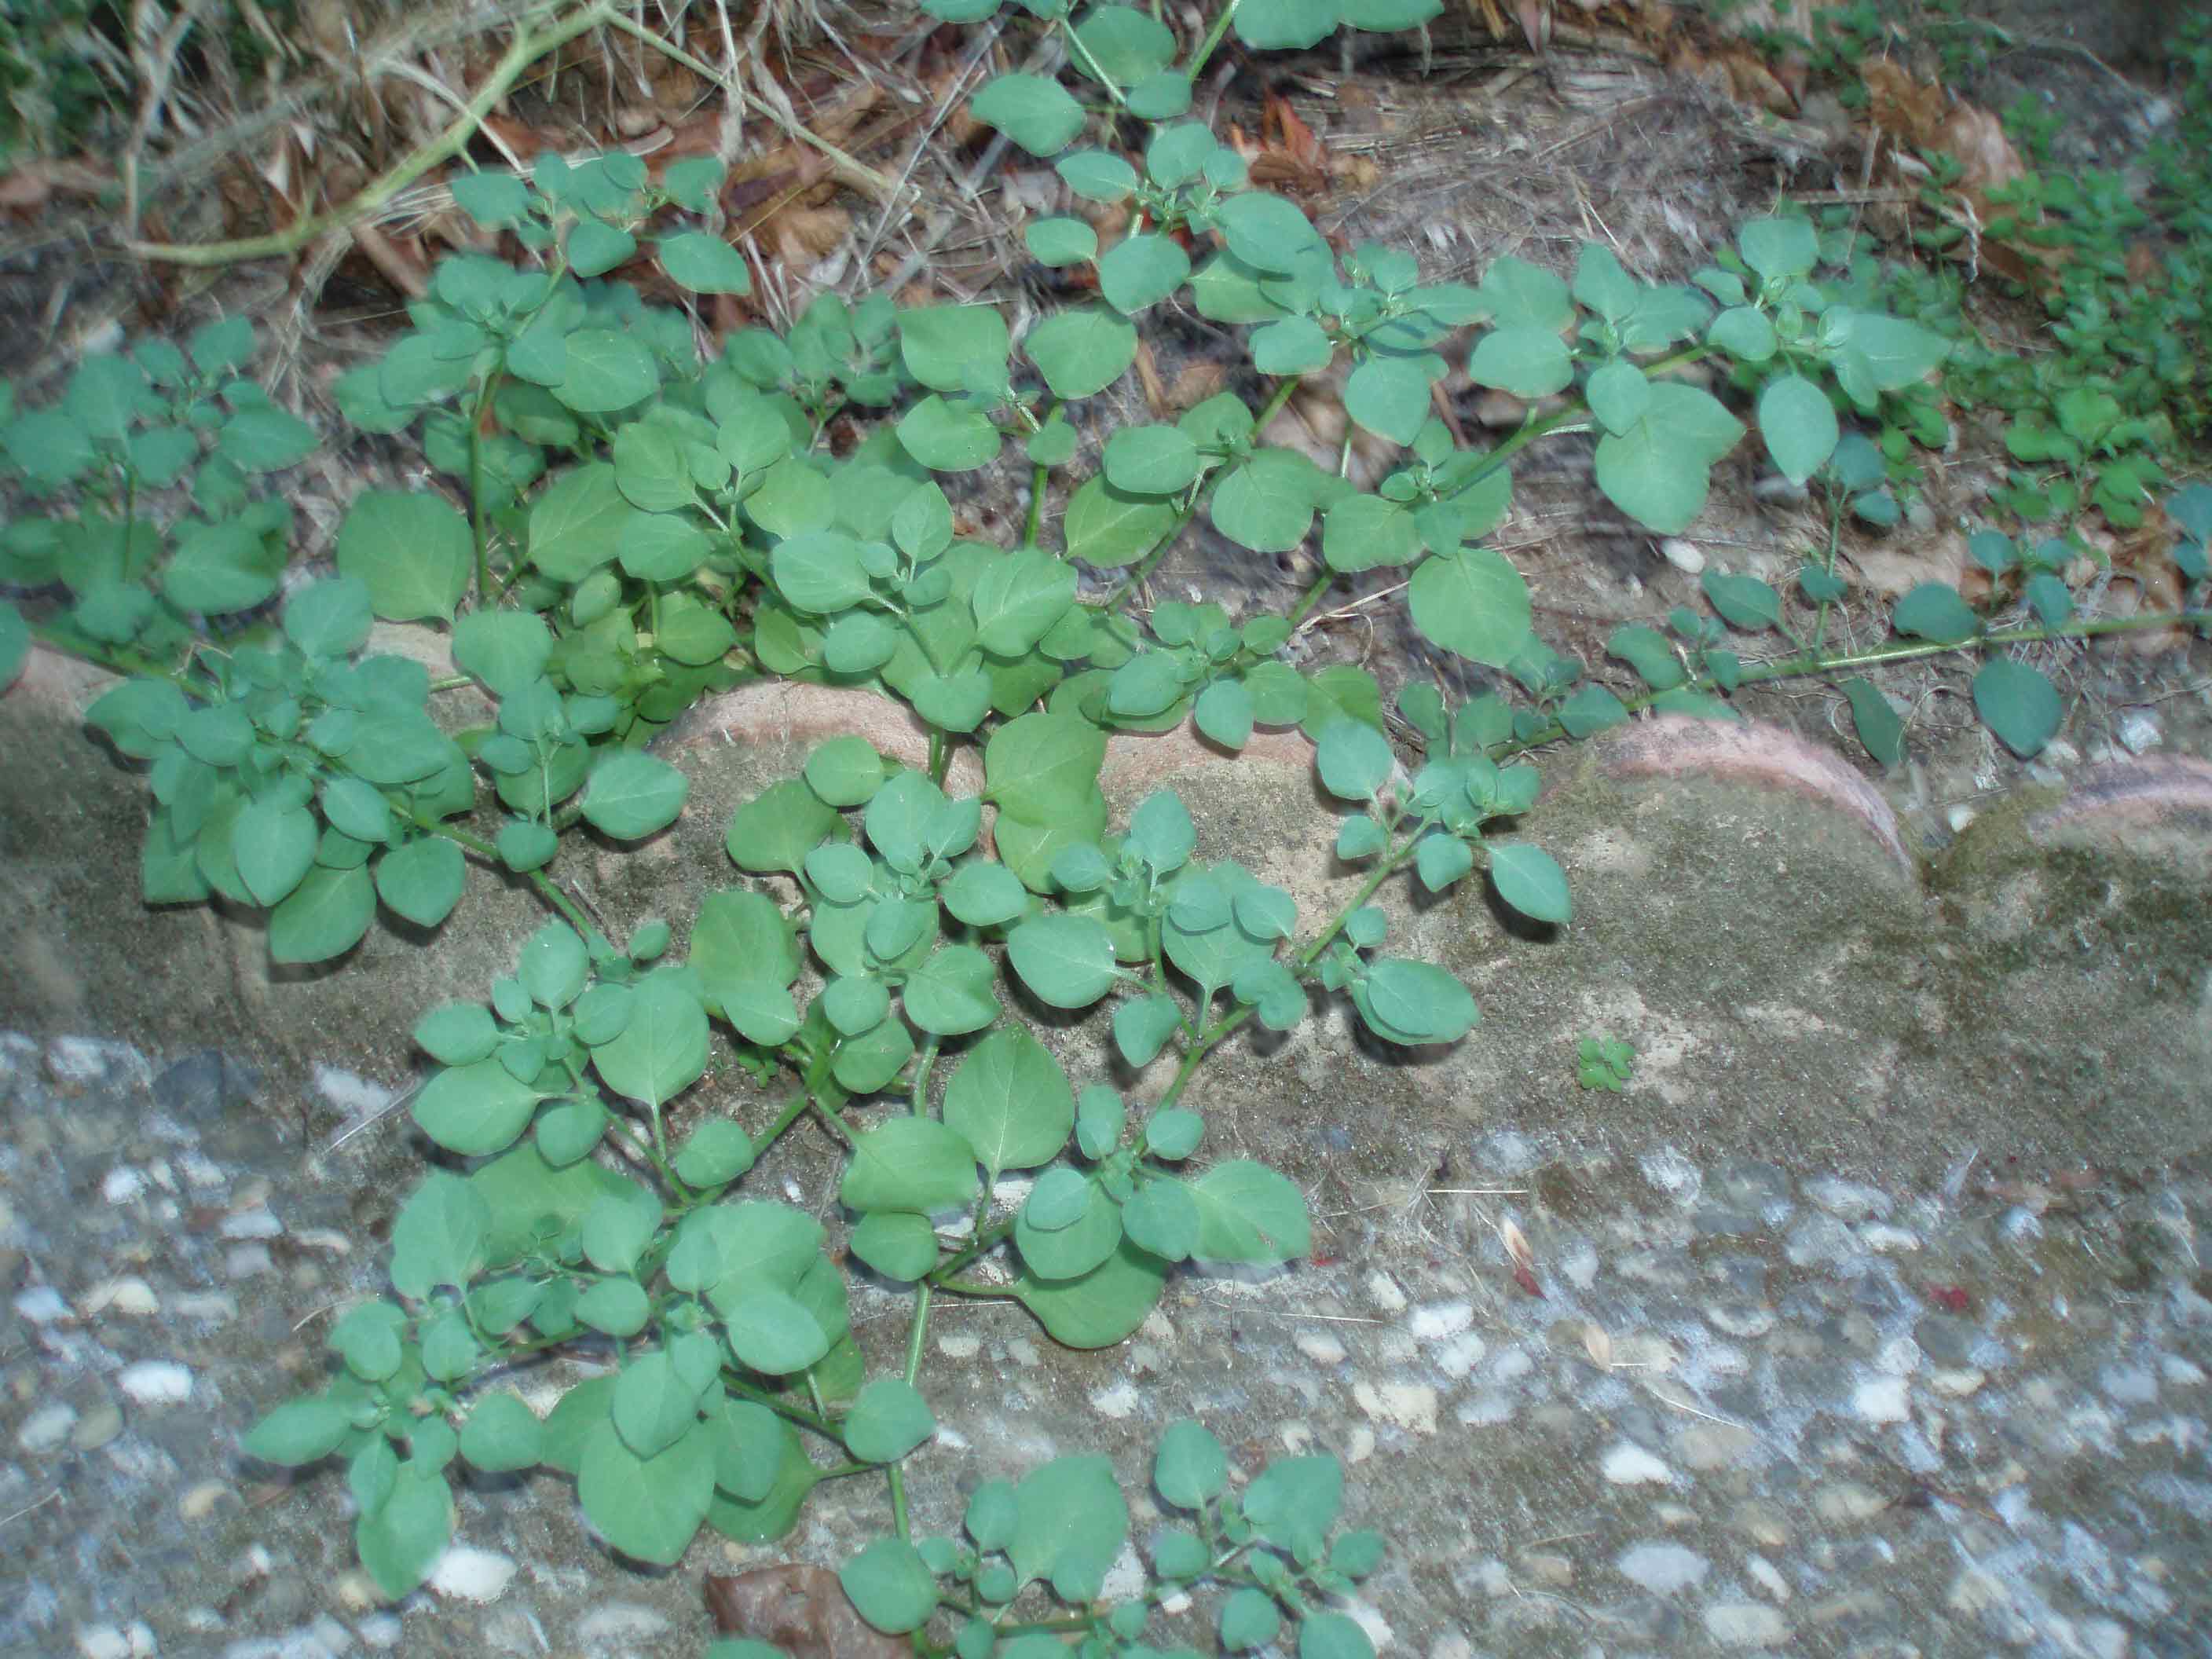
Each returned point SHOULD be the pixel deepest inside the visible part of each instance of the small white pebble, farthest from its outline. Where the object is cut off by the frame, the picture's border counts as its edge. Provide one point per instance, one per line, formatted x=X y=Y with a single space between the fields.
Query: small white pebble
x=122 y=1184
x=1116 y=1401
x=128 y=1294
x=1882 y=1400
x=1435 y=1320
x=41 y=1305
x=1685 y=556
x=1320 y=1347
x=1384 y=1291
x=1629 y=1465
x=256 y=1222
x=962 y=1346
x=472 y=1575
x=156 y=1382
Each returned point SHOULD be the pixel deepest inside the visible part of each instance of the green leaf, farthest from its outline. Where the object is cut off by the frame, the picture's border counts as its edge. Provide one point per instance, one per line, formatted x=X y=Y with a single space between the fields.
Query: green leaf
x=456 y=1033
x=910 y=1163
x=553 y=966
x=605 y=371
x=1294 y=1502
x=1332 y=1636
x=1659 y=471
x=1366 y=532
x=1150 y=460
x=1798 y=424
x=503 y=1435
x=1163 y=1219
x=14 y=644
x=896 y=1244
x=1935 y=611
x=647 y=1507
x=1108 y=527
x=1876 y=723
x=939 y=343
x=778 y=827
x=1745 y=333
x=1190 y=1465
x=1249 y=1619
x=632 y=795
x=324 y=916
x=1266 y=231
x=1296 y=24
x=891 y=1586
x=1389 y=395
x=948 y=437
x=717 y=1151
x=1037 y=114
x=1017 y=598
x=223 y=568
x=1102 y=1306
x=399 y=1542
x=663 y=1050
x=653 y=1407
x=273 y=844
x=1067 y=961
x=1266 y=504
x=329 y=618
x=1527 y=361
x=1779 y=248
x=1071 y=1522
x=949 y=995
x=1082 y=349
x=1010 y=1102
x=441 y=1236
x=1354 y=760
x=1531 y=881
x=1413 y=1002
x=2018 y=703
x=1249 y=1213
x=888 y=1420
x=476 y=1108
x=1472 y=602
x=984 y=895
x=1142 y=1027
x=1126 y=44
x=1141 y=270
x=1744 y=602
x=413 y=550
x=1895 y=354
x=576 y=523
x=704 y=263
x=1096 y=175
x=299 y=1432
x=422 y=880
x=1060 y=241
x=820 y=571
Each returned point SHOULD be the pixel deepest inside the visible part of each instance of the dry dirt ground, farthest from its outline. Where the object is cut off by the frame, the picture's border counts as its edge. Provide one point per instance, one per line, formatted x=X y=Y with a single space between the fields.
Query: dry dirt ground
x=1870 y=1320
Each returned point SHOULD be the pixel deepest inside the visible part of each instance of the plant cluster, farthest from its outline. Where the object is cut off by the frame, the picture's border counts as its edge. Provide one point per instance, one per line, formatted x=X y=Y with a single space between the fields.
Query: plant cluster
x=640 y=527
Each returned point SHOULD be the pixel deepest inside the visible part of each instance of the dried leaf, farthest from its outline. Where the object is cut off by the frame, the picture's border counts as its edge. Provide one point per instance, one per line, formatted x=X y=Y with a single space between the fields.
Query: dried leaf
x=801 y=1609
x=1598 y=1345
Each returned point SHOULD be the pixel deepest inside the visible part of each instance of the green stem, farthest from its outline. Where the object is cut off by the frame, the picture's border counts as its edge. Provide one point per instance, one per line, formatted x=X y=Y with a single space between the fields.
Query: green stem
x=1813 y=664
x=914 y=1333
x=1212 y=39
x=475 y=487
x=528 y=46
x=1089 y=64
x=1144 y=566
x=1226 y=1026
x=546 y=890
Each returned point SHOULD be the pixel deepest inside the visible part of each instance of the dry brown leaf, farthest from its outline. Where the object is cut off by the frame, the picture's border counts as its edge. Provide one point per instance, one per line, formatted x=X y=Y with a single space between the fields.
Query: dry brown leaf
x=1598 y=1344
x=1516 y=1245
x=801 y=1609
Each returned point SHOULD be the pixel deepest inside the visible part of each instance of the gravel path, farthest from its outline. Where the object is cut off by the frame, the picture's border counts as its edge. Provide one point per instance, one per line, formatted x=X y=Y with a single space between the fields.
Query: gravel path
x=1748 y=1410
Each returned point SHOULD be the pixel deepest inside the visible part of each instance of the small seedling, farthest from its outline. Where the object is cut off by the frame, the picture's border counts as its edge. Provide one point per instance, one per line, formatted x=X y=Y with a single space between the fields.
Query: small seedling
x=1604 y=1062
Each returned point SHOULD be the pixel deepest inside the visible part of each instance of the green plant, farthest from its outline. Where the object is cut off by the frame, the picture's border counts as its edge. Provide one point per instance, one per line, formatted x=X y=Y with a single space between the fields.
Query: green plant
x=642 y=528
x=1604 y=1062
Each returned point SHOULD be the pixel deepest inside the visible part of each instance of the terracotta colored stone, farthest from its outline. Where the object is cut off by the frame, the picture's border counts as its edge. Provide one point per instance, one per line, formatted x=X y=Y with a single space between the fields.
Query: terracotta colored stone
x=1677 y=746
